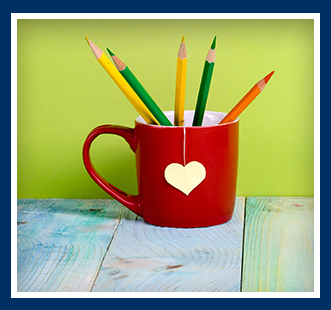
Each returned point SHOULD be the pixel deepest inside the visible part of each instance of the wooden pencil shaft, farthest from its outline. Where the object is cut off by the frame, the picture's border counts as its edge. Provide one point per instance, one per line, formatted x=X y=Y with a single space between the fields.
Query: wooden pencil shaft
x=145 y=97
x=127 y=90
x=203 y=93
x=180 y=91
x=241 y=105
x=123 y=84
x=205 y=85
x=140 y=90
x=247 y=99
x=120 y=65
x=182 y=53
x=180 y=84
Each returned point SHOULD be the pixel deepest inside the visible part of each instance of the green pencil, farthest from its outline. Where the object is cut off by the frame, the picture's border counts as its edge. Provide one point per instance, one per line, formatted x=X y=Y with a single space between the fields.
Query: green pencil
x=205 y=85
x=140 y=90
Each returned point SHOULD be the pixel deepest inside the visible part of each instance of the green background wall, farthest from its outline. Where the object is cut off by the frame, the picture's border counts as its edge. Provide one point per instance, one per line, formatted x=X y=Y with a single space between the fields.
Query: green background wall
x=63 y=93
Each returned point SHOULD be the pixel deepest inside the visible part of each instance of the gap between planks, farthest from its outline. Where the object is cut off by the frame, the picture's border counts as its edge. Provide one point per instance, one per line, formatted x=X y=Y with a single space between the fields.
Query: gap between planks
x=109 y=245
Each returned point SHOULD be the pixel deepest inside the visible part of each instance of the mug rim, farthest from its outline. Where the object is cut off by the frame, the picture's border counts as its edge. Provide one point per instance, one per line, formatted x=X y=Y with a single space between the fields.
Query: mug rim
x=139 y=120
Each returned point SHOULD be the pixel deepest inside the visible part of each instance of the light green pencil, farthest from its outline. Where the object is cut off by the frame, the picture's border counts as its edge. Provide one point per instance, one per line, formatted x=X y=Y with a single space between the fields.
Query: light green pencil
x=205 y=85
x=140 y=90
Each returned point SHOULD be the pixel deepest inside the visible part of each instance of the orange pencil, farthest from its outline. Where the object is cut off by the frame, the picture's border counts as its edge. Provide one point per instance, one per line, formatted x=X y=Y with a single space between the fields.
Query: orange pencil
x=248 y=98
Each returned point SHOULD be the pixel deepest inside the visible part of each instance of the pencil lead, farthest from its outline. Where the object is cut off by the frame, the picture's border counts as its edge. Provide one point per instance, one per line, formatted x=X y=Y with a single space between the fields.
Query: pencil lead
x=213 y=44
x=110 y=52
x=183 y=39
x=88 y=41
x=267 y=78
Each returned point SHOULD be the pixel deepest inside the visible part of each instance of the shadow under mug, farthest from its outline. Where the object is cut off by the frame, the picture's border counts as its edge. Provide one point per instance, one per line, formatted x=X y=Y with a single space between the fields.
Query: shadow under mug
x=160 y=203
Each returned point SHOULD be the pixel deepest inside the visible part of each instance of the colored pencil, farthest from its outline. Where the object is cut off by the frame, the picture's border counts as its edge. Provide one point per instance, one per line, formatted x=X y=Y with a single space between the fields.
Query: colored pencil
x=122 y=84
x=180 y=84
x=151 y=105
x=246 y=100
x=205 y=85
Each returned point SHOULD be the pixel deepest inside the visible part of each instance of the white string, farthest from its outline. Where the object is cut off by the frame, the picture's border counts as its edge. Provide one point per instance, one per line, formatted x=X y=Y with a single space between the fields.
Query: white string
x=184 y=142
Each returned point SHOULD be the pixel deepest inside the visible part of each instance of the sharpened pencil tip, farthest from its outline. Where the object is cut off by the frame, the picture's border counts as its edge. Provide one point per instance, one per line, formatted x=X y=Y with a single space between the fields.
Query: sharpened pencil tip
x=267 y=78
x=183 y=39
x=88 y=41
x=213 y=45
x=110 y=52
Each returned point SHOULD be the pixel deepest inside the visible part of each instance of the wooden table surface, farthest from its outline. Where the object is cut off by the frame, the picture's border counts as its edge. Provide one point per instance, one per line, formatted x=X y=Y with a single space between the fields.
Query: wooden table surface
x=79 y=245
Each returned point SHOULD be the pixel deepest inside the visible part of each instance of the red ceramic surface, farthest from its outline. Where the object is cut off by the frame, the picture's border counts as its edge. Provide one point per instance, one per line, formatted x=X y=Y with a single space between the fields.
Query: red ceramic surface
x=159 y=203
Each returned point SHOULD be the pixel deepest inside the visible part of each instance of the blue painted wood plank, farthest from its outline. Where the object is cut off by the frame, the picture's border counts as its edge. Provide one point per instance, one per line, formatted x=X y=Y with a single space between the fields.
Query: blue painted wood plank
x=147 y=258
x=279 y=245
x=61 y=243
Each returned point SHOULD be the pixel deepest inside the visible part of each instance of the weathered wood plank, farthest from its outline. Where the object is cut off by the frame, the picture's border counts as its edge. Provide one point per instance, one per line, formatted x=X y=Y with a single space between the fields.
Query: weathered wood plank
x=147 y=258
x=279 y=245
x=61 y=243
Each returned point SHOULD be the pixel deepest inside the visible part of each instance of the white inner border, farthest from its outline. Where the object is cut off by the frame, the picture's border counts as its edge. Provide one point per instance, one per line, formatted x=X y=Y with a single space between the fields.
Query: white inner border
x=314 y=16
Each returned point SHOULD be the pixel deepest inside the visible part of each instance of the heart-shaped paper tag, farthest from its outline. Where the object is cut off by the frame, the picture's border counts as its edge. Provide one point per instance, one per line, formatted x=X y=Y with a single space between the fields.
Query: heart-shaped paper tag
x=185 y=178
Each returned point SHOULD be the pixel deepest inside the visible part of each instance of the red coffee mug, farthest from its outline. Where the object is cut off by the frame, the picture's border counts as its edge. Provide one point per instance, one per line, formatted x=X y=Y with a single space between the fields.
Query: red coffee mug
x=185 y=195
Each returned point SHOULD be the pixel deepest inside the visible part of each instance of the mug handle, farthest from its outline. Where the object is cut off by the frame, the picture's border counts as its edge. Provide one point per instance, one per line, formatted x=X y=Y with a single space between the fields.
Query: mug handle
x=130 y=201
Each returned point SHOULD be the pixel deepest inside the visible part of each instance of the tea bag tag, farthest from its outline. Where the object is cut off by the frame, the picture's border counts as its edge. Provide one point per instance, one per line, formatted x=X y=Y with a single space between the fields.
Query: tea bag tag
x=188 y=177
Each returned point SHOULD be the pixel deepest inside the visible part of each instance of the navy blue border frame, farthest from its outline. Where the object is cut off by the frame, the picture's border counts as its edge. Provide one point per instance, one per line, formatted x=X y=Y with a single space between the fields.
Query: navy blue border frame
x=170 y=6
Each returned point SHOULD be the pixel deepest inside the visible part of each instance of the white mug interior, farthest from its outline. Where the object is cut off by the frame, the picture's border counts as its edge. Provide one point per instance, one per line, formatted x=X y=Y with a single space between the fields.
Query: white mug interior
x=211 y=118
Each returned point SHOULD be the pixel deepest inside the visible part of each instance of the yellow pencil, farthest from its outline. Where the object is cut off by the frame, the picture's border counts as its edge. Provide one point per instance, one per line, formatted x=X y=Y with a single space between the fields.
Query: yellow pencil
x=180 y=84
x=122 y=84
